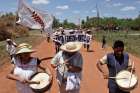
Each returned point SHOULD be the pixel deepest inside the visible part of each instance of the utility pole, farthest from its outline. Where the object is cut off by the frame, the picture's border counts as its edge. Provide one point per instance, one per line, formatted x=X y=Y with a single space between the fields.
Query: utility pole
x=98 y=15
x=79 y=20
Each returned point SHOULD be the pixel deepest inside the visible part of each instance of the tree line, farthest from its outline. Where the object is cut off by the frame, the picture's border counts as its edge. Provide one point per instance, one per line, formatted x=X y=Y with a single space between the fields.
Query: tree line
x=9 y=28
x=105 y=23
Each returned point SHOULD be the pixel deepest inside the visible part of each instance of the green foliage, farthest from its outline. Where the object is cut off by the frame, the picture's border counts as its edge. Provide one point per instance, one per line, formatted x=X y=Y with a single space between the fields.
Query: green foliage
x=64 y=24
x=110 y=23
x=131 y=39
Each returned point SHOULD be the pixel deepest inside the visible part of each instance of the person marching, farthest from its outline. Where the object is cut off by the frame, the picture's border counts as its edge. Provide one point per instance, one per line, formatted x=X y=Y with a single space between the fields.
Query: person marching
x=11 y=48
x=116 y=61
x=56 y=38
x=68 y=64
x=103 y=42
x=88 y=40
x=25 y=66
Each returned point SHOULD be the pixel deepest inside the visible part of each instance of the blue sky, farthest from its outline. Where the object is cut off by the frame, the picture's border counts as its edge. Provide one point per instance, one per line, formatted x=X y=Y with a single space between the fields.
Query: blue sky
x=75 y=9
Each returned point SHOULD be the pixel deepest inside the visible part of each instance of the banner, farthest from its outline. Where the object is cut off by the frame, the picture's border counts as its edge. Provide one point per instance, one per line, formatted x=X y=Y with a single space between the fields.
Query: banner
x=34 y=18
x=62 y=39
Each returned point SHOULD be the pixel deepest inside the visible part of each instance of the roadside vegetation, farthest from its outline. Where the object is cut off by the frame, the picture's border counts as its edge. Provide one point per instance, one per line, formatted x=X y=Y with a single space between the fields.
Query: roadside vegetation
x=131 y=40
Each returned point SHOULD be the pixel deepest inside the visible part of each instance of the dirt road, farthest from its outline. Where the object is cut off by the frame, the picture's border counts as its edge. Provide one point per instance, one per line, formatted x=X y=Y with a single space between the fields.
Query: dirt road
x=92 y=81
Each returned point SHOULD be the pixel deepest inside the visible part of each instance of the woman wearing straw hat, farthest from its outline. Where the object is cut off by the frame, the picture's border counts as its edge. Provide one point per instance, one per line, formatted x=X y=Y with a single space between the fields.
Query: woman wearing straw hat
x=68 y=64
x=25 y=66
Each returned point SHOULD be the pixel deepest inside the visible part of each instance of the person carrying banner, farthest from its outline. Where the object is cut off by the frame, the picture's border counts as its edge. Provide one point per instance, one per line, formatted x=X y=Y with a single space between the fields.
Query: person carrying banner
x=88 y=40
x=56 y=40
x=116 y=61
x=25 y=67
x=68 y=64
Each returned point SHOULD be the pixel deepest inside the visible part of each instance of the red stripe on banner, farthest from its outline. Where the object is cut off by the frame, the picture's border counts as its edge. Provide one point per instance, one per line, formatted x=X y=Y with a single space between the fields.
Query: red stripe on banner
x=37 y=18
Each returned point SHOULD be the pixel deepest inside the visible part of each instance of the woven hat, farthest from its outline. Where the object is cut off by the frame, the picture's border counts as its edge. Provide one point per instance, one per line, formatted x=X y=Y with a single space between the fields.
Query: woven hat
x=25 y=44
x=8 y=40
x=24 y=48
x=60 y=28
x=71 y=46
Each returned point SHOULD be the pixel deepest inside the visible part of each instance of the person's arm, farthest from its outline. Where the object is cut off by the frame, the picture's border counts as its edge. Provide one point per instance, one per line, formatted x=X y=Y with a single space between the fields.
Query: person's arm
x=77 y=64
x=72 y=68
x=14 y=44
x=14 y=77
x=131 y=66
x=46 y=70
x=100 y=64
x=55 y=60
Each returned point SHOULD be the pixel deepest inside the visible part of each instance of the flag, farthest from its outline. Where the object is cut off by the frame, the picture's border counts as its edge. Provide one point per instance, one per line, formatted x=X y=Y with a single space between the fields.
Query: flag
x=34 y=18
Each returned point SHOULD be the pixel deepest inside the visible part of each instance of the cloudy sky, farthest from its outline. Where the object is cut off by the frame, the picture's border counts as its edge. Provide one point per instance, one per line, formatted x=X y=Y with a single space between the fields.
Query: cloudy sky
x=75 y=9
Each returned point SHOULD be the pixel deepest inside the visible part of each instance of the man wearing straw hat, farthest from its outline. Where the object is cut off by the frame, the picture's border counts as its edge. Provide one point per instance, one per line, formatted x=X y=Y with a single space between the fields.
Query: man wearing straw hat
x=68 y=64
x=25 y=66
x=116 y=62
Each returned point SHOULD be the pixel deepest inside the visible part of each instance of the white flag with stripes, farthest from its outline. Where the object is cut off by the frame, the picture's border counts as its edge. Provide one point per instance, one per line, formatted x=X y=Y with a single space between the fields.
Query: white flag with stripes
x=34 y=18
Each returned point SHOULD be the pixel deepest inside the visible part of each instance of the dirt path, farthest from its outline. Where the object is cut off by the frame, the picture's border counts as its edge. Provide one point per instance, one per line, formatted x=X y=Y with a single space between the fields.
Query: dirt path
x=92 y=81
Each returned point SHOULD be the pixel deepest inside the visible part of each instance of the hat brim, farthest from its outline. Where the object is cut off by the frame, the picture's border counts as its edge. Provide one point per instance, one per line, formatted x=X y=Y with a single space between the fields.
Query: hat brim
x=78 y=47
x=25 y=50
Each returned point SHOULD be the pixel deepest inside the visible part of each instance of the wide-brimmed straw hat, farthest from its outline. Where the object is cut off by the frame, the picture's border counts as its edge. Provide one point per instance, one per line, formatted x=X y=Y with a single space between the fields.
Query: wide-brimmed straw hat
x=71 y=46
x=25 y=44
x=8 y=40
x=24 y=48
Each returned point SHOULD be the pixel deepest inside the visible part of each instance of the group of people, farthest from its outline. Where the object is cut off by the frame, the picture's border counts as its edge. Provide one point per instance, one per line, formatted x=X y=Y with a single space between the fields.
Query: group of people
x=61 y=36
x=68 y=64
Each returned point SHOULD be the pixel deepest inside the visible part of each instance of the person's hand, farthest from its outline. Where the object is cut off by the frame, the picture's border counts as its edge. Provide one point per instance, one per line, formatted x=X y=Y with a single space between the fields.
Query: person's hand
x=23 y=81
x=131 y=69
x=50 y=77
x=105 y=76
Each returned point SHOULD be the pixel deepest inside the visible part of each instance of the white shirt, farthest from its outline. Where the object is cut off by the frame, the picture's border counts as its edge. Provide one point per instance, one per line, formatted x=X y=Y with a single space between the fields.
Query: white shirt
x=59 y=59
x=11 y=49
x=25 y=71
x=103 y=60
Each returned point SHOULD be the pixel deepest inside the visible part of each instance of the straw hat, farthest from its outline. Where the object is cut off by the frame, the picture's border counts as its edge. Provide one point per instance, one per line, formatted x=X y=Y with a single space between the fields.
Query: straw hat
x=25 y=44
x=60 y=28
x=24 y=48
x=71 y=46
x=8 y=40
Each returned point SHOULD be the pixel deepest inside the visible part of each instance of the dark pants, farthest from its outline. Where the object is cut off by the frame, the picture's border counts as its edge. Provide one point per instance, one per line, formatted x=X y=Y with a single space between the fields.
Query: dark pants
x=116 y=90
x=57 y=47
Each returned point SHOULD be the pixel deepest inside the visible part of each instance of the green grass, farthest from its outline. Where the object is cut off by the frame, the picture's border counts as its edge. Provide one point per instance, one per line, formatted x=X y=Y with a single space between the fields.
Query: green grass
x=34 y=39
x=132 y=42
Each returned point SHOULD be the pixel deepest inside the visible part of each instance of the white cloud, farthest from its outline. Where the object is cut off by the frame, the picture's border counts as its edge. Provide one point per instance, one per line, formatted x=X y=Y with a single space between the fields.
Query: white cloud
x=107 y=0
x=76 y=12
x=117 y=4
x=58 y=13
x=128 y=8
x=93 y=11
x=80 y=0
x=63 y=7
x=40 y=1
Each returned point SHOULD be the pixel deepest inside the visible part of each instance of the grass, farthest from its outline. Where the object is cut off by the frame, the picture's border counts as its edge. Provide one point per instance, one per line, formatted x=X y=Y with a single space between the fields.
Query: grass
x=132 y=42
x=34 y=39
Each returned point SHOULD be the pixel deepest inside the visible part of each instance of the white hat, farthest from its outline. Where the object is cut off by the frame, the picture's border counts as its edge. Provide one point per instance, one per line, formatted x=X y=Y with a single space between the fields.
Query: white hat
x=60 y=28
x=8 y=40
x=71 y=46
x=24 y=49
